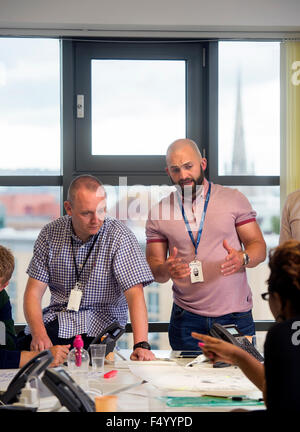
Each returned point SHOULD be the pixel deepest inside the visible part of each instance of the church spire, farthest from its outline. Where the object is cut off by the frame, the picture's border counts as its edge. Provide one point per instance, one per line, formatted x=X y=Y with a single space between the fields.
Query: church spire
x=239 y=158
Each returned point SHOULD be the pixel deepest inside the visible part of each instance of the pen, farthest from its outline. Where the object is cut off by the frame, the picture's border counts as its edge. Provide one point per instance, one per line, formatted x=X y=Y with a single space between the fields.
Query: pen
x=126 y=388
x=233 y=398
x=120 y=355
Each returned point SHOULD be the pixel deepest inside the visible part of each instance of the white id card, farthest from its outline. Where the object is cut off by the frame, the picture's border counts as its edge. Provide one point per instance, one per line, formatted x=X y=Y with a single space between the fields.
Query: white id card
x=196 y=271
x=74 y=299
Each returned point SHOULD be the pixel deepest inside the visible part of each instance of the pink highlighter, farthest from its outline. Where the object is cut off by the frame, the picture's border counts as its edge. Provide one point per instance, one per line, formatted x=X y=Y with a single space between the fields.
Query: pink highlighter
x=78 y=344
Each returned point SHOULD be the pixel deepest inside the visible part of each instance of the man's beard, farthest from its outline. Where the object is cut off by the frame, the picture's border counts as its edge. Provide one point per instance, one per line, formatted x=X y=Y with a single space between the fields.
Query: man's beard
x=186 y=188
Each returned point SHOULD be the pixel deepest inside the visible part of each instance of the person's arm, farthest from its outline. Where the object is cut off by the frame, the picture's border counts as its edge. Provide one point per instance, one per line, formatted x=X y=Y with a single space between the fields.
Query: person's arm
x=164 y=268
x=139 y=321
x=59 y=352
x=285 y=228
x=219 y=350
x=254 y=245
x=33 y=295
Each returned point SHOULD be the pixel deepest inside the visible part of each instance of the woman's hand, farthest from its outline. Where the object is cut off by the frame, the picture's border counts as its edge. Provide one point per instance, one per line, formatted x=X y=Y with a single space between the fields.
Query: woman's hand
x=218 y=350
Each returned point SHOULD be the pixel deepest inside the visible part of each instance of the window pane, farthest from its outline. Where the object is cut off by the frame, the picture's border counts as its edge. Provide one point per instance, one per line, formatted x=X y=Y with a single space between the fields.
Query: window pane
x=138 y=106
x=23 y=213
x=249 y=108
x=30 y=106
x=266 y=202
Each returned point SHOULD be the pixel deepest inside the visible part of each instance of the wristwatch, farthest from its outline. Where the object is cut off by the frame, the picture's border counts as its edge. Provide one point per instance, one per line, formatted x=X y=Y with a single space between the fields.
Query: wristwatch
x=143 y=344
x=246 y=259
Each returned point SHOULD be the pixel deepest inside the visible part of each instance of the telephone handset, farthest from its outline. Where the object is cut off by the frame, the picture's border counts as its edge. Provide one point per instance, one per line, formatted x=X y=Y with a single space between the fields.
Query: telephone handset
x=230 y=333
x=109 y=337
x=31 y=369
x=67 y=391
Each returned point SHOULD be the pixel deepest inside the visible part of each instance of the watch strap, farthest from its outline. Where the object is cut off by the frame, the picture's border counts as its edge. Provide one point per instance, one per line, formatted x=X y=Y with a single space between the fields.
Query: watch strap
x=142 y=344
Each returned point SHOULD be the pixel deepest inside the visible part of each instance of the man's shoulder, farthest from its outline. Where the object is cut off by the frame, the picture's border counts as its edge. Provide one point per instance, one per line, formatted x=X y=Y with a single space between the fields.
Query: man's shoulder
x=231 y=192
x=293 y=197
x=164 y=203
x=115 y=226
x=58 y=224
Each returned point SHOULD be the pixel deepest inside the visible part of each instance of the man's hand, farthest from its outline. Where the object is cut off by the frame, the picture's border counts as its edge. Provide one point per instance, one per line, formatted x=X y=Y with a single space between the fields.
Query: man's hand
x=40 y=343
x=176 y=267
x=142 y=354
x=233 y=261
x=60 y=354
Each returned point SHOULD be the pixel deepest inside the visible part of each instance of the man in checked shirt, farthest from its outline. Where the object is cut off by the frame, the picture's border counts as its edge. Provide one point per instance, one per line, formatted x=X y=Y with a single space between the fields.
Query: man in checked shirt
x=95 y=271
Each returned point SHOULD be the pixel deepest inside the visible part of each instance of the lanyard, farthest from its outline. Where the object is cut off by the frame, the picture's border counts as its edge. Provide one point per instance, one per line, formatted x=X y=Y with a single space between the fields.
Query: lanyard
x=78 y=274
x=196 y=244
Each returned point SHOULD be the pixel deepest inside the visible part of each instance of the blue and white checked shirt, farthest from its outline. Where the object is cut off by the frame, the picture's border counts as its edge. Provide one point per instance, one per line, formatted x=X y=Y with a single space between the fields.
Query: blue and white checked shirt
x=115 y=264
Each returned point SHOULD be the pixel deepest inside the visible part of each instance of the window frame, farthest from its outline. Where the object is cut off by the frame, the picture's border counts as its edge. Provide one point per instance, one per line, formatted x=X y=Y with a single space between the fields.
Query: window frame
x=138 y=169
x=225 y=180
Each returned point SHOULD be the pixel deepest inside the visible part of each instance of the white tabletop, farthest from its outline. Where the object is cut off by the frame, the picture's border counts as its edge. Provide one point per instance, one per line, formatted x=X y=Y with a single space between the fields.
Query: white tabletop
x=167 y=374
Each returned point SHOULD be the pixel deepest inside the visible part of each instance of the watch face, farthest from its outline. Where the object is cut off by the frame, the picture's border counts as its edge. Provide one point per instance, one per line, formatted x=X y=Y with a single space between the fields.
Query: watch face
x=144 y=345
x=246 y=259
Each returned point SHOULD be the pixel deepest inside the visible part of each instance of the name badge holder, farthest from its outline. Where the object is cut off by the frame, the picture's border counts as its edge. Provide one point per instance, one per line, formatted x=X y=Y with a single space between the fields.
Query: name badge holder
x=74 y=299
x=196 y=265
x=76 y=292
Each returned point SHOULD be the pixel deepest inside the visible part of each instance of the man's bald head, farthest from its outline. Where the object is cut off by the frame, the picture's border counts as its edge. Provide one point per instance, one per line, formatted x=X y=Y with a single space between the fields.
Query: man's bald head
x=87 y=182
x=181 y=145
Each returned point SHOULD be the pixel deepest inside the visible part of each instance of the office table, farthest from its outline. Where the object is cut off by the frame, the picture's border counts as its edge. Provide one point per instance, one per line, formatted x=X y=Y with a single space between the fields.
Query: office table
x=171 y=375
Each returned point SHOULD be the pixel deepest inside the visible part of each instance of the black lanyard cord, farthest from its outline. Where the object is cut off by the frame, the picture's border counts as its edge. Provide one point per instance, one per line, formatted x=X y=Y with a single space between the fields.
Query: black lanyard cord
x=78 y=274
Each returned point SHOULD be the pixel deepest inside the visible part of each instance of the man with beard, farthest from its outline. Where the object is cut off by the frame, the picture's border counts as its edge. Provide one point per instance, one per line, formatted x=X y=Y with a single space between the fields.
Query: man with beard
x=203 y=236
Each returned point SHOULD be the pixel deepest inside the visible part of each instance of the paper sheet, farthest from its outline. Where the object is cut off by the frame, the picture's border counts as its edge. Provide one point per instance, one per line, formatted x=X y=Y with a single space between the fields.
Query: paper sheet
x=206 y=379
x=6 y=375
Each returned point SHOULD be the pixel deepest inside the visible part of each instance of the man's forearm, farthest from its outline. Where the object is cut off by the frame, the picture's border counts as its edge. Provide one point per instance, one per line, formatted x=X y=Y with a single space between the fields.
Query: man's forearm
x=32 y=306
x=160 y=272
x=138 y=313
x=256 y=252
x=34 y=318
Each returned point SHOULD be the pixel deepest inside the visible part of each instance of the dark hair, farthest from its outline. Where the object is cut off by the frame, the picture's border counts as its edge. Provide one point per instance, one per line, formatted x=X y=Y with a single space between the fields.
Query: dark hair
x=284 y=263
x=7 y=264
x=87 y=181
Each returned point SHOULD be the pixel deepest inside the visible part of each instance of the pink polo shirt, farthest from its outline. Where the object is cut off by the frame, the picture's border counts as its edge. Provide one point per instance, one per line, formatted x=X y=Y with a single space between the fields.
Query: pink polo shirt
x=227 y=208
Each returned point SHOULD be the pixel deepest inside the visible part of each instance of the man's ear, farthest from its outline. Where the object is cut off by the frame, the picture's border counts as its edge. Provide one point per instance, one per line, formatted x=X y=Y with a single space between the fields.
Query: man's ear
x=3 y=286
x=167 y=171
x=203 y=163
x=68 y=208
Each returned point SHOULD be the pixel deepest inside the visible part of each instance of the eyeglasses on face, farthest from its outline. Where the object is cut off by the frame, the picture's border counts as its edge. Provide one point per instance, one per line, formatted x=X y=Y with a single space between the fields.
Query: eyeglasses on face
x=265 y=295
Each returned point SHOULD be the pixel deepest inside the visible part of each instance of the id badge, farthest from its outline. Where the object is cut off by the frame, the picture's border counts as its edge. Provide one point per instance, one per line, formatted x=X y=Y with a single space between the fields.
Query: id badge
x=196 y=271
x=74 y=299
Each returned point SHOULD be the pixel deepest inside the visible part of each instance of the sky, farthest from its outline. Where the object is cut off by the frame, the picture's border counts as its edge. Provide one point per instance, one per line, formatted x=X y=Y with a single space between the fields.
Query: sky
x=141 y=111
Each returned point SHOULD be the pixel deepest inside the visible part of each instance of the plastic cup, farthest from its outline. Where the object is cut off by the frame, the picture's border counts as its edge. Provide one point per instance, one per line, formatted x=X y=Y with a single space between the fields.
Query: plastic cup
x=97 y=352
x=156 y=402
x=106 y=403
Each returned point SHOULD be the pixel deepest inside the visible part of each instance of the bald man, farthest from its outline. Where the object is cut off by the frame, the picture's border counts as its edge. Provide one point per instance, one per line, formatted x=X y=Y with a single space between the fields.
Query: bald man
x=203 y=236
x=95 y=271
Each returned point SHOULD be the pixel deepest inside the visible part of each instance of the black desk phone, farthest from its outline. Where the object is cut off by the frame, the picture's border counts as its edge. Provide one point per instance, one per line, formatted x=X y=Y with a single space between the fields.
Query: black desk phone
x=67 y=391
x=230 y=333
x=31 y=369
x=109 y=337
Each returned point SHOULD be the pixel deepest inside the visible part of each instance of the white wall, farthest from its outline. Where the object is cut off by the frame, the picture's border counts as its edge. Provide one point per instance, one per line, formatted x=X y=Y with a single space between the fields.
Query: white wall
x=118 y=15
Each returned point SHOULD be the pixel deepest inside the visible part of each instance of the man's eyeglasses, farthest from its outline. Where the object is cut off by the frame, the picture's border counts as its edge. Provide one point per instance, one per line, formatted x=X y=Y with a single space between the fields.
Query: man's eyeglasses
x=265 y=295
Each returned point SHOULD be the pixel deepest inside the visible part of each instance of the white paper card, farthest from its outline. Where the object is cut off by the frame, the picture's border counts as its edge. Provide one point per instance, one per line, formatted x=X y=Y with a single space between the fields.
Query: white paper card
x=74 y=299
